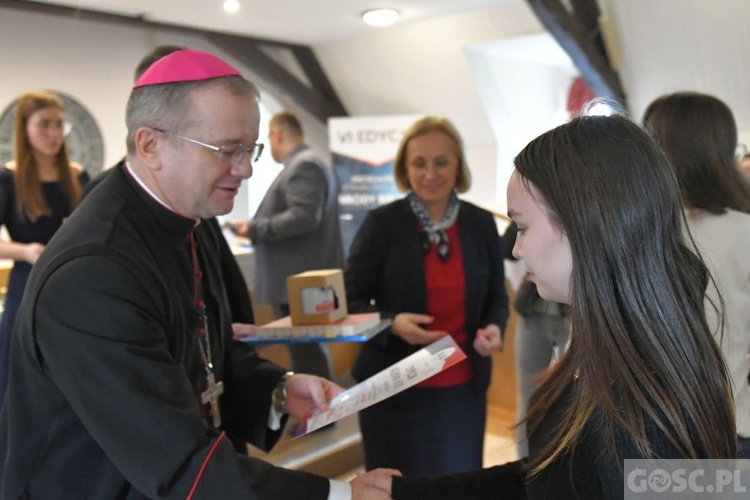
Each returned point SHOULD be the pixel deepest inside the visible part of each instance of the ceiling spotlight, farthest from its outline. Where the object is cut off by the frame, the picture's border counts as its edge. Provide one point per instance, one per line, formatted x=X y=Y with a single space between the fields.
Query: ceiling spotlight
x=231 y=6
x=380 y=17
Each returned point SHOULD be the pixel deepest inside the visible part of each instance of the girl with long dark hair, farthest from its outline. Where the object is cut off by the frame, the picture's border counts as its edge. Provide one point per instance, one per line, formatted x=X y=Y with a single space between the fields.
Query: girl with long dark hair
x=600 y=225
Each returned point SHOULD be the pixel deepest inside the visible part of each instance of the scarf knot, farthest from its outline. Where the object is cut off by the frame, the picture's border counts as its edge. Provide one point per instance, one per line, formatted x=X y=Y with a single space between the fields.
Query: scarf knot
x=433 y=233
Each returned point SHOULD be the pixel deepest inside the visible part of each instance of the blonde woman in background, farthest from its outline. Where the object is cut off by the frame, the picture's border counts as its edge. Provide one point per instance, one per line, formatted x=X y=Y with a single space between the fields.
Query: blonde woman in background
x=433 y=264
x=38 y=189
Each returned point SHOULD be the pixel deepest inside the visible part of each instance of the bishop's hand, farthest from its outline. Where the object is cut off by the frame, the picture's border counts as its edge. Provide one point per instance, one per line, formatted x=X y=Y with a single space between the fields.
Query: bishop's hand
x=307 y=393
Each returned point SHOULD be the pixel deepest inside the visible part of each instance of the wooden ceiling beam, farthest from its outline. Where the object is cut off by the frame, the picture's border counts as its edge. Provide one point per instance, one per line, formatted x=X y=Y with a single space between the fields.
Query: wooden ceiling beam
x=587 y=13
x=576 y=39
x=321 y=101
x=310 y=99
x=317 y=76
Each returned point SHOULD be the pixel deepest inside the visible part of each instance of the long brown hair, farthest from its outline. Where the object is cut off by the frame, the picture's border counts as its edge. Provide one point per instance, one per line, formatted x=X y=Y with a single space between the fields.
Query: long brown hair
x=31 y=202
x=641 y=351
x=698 y=134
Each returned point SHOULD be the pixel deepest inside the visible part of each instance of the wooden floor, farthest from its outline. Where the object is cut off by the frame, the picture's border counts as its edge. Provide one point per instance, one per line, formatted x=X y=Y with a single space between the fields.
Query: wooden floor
x=331 y=452
x=500 y=439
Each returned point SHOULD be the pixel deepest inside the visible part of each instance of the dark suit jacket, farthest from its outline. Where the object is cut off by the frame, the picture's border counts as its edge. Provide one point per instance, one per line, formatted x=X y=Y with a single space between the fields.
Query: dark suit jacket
x=296 y=227
x=386 y=265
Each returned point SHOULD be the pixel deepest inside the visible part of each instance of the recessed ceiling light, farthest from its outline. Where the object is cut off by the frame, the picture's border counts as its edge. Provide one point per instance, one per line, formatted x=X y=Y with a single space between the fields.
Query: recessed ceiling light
x=380 y=17
x=231 y=6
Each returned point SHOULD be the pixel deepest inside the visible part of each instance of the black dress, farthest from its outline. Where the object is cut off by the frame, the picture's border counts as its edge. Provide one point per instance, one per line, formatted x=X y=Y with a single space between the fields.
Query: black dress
x=22 y=230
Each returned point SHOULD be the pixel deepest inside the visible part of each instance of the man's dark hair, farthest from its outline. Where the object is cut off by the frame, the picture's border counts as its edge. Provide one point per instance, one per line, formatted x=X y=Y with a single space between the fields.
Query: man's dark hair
x=288 y=122
x=150 y=58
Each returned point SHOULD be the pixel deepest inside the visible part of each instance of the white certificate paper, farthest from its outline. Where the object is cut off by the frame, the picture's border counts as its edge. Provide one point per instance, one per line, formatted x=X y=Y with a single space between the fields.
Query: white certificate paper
x=411 y=370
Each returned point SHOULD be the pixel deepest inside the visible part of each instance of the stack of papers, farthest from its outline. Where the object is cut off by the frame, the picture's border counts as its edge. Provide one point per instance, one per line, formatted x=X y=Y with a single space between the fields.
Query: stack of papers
x=353 y=328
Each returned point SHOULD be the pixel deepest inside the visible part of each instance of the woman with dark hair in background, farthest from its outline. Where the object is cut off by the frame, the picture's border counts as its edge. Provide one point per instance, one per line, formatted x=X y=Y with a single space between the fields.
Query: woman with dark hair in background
x=38 y=190
x=698 y=134
x=434 y=264
x=601 y=228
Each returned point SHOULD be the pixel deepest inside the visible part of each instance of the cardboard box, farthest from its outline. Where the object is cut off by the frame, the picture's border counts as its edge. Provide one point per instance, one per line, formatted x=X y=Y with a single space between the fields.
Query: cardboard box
x=317 y=297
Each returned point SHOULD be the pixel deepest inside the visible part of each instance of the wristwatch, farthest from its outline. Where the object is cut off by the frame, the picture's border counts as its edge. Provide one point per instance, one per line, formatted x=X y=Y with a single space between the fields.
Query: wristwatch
x=278 y=396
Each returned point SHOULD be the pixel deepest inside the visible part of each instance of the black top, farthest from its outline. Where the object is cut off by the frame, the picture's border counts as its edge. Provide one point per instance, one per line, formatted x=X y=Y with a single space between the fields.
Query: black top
x=20 y=228
x=103 y=400
x=588 y=473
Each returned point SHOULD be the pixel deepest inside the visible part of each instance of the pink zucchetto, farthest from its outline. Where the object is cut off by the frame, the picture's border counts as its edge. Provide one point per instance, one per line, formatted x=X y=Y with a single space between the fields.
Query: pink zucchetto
x=185 y=65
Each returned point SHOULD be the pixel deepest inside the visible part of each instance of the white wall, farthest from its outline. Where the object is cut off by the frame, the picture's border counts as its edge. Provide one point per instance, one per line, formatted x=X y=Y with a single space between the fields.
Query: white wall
x=523 y=83
x=93 y=63
x=676 y=45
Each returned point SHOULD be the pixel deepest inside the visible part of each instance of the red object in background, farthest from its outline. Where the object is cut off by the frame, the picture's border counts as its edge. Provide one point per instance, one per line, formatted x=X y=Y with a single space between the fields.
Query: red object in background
x=578 y=95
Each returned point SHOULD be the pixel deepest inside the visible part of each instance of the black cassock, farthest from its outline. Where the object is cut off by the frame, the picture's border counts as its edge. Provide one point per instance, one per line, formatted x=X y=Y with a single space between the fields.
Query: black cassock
x=106 y=372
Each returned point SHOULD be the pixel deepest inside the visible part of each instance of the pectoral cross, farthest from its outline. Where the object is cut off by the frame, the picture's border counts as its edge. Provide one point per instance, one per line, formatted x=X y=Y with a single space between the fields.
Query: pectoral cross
x=211 y=396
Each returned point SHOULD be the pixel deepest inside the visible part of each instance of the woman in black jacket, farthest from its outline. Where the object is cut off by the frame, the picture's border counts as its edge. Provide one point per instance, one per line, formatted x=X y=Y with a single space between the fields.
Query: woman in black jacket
x=432 y=263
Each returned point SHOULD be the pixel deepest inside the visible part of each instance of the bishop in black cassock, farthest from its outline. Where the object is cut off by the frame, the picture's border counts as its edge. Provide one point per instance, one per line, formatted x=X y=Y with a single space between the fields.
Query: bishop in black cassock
x=110 y=307
x=116 y=363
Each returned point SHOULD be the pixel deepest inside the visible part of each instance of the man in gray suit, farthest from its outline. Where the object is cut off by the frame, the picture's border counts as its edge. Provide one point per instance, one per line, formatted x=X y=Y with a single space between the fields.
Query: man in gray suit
x=295 y=229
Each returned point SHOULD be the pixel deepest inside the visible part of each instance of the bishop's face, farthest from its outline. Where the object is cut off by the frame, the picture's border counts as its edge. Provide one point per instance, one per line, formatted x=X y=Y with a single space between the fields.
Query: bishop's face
x=196 y=181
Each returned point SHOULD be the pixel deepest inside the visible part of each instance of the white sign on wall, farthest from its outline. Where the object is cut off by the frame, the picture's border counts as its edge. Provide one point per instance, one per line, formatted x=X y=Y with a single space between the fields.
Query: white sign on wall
x=363 y=150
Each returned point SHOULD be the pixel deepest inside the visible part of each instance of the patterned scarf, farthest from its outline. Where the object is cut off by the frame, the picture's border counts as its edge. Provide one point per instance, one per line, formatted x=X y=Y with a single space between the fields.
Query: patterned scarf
x=434 y=232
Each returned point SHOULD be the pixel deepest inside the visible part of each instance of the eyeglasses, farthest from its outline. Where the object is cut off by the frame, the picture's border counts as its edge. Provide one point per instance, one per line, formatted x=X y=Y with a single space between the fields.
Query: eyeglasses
x=47 y=126
x=228 y=155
